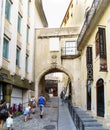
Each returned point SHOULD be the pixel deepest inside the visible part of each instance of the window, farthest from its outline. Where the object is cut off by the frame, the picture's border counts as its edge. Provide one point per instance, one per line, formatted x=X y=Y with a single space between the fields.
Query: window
x=19 y=23
x=97 y=43
x=28 y=8
x=102 y=48
x=7 y=9
x=70 y=48
x=27 y=35
x=27 y=58
x=18 y=56
x=5 y=48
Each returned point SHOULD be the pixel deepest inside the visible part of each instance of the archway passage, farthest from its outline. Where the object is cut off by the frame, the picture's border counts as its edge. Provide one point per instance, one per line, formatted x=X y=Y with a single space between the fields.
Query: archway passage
x=52 y=82
x=51 y=85
x=100 y=98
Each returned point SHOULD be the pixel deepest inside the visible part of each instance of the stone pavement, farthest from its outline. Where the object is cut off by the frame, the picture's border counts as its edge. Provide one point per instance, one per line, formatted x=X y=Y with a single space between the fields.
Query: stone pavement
x=57 y=117
x=65 y=121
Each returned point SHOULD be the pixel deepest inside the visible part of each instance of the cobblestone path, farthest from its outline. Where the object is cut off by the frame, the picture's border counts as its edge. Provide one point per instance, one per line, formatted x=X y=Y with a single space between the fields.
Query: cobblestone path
x=48 y=122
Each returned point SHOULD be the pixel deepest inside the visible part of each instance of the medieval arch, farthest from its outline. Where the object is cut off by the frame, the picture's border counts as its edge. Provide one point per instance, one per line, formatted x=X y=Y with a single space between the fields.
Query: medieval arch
x=40 y=81
x=49 y=61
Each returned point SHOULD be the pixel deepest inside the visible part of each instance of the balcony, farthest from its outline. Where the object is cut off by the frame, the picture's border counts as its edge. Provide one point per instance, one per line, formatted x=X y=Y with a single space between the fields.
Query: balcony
x=94 y=14
x=69 y=53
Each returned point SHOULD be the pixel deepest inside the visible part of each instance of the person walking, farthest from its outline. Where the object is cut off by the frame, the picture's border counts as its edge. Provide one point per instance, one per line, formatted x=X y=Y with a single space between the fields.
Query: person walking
x=9 y=122
x=33 y=104
x=3 y=113
x=27 y=112
x=62 y=96
x=41 y=104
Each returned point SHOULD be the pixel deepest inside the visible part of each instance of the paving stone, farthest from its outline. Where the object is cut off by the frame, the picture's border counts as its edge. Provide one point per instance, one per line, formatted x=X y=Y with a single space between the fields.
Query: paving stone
x=49 y=120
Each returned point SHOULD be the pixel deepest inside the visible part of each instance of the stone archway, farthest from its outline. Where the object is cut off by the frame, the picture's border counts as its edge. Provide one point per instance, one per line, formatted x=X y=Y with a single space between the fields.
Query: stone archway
x=40 y=81
x=49 y=59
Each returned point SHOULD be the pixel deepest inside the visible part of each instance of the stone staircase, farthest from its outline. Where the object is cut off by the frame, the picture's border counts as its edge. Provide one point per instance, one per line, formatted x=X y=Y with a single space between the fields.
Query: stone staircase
x=83 y=120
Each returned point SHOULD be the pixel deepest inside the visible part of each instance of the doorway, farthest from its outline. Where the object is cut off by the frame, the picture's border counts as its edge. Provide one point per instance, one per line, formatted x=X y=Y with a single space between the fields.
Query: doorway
x=100 y=98
x=89 y=84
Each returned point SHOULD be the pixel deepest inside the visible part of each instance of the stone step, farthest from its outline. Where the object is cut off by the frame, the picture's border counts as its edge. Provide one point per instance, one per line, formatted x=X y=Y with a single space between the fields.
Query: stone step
x=88 y=119
x=86 y=124
x=95 y=128
x=84 y=121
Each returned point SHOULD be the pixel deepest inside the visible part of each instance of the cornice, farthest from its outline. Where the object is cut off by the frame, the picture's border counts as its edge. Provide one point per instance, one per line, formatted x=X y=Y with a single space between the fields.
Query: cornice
x=95 y=13
x=39 y=6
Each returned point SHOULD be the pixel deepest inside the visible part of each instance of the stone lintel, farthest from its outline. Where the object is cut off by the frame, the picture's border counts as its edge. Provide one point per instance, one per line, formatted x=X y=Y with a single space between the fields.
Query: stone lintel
x=58 y=32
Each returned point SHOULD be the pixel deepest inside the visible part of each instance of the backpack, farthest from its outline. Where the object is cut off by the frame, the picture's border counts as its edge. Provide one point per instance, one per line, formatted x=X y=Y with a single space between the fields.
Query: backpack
x=41 y=100
x=32 y=102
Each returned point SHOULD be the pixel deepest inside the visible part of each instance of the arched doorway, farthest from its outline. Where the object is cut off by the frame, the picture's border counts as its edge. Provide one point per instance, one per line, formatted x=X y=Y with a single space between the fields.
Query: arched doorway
x=52 y=86
x=100 y=97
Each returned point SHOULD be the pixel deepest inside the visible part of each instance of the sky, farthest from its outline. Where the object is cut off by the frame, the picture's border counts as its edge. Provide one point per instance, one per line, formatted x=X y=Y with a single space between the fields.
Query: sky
x=55 y=11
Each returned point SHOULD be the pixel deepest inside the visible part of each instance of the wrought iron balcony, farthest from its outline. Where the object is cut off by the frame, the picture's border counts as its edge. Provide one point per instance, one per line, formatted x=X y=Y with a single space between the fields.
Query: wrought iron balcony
x=69 y=52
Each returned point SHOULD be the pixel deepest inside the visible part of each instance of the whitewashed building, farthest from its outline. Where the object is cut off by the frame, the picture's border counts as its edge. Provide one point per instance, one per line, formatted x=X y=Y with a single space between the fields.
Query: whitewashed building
x=18 y=20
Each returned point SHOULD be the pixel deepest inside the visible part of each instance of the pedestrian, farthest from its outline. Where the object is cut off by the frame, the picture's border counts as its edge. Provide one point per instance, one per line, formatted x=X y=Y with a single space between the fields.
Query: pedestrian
x=9 y=122
x=27 y=112
x=33 y=104
x=41 y=104
x=3 y=113
x=62 y=96
x=69 y=96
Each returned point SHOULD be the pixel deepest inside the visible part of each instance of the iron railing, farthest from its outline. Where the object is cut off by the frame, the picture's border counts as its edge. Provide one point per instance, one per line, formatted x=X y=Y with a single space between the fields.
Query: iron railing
x=82 y=120
x=69 y=51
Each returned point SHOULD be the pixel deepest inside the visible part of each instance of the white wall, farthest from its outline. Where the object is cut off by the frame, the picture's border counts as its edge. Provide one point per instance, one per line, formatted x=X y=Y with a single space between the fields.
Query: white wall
x=16 y=96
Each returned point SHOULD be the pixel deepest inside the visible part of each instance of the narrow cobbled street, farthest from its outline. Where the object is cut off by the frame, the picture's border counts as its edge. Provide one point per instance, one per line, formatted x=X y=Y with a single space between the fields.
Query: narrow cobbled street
x=48 y=122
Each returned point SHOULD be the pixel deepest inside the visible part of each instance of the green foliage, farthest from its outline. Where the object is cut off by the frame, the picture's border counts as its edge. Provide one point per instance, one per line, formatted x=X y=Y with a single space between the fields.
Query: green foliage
x=17 y=114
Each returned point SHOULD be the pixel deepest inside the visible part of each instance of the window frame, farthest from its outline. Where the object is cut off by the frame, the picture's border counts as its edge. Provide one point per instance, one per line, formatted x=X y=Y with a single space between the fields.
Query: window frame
x=97 y=50
x=19 y=23
x=28 y=8
x=6 y=48
x=18 y=56
x=8 y=10
x=26 y=63
x=27 y=33
x=71 y=46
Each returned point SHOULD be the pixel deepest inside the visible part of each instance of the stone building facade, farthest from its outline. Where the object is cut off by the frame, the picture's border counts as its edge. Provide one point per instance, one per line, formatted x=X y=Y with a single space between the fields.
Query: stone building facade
x=18 y=20
x=85 y=32
x=93 y=42
x=93 y=45
x=48 y=61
